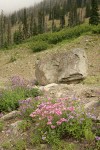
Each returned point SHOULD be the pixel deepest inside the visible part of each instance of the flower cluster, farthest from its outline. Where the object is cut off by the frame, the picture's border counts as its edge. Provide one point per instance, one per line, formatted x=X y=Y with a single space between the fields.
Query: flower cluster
x=25 y=105
x=17 y=81
x=20 y=82
x=49 y=111
x=97 y=138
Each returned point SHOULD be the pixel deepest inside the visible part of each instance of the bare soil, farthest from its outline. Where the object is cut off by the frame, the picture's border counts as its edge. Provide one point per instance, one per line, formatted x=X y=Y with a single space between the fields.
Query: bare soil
x=21 y=61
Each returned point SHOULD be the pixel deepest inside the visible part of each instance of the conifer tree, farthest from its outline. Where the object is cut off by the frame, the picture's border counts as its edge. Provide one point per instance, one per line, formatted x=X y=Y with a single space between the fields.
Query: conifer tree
x=2 y=29
x=72 y=20
x=9 y=31
x=25 y=24
x=88 y=10
x=35 y=29
x=62 y=17
x=94 y=17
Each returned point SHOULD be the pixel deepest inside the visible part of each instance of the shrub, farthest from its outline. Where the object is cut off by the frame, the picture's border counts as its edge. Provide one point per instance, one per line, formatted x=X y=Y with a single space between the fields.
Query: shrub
x=6 y=145
x=10 y=98
x=18 y=37
x=39 y=46
x=24 y=125
x=20 y=145
x=96 y=29
x=58 y=119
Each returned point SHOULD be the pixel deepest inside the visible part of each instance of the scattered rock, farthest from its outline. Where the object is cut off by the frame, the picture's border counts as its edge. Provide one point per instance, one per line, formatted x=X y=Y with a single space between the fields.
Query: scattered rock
x=14 y=127
x=63 y=67
x=98 y=118
x=50 y=86
x=10 y=115
x=90 y=93
x=91 y=104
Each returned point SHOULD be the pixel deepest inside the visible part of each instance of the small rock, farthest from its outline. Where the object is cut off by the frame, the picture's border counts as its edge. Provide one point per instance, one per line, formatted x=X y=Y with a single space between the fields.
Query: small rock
x=15 y=127
x=98 y=118
x=50 y=86
x=9 y=116
x=90 y=93
x=91 y=104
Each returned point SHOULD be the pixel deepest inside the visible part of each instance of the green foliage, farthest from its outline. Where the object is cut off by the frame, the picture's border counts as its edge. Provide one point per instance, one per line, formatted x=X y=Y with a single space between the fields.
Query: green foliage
x=24 y=125
x=96 y=29
x=92 y=80
x=39 y=46
x=89 y=135
x=1 y=125
x=20 y=145
x=63 y=145
x=9 y=99
x=94 y=17
x=43 y=41
x=97 y=145
x=51 y=128
x=6 y=145
x=67 y=34
x=18 y=37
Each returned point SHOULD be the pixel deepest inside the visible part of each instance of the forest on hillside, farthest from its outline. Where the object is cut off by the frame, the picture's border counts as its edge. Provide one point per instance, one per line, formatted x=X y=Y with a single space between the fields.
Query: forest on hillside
x=46 y=16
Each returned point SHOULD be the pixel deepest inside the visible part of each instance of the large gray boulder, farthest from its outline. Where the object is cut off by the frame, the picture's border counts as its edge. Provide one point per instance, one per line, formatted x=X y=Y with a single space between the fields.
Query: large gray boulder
x=63 y=67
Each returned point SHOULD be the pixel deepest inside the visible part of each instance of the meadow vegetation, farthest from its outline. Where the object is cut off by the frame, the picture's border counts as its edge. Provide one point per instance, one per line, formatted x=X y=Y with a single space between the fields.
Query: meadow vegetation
x=48 y=121
x=48 y=40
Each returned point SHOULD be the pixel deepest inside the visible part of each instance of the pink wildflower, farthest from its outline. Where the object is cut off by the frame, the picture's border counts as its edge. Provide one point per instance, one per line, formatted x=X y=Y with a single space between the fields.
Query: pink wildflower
x=32 y=115
x=59 y=122
x=49 y=123
x=71 y=108
x=58 y=112
x=50 y=118
x=53 y=127
x=63 y=120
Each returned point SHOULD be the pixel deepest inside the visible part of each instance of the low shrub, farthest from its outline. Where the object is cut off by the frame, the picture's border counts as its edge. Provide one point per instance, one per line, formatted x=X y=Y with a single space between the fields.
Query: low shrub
x=96 y=29
x=10 y=98
x=6 y=145
x=39 y=46
x=20 y=89
x=55 y=120
x=20 y=145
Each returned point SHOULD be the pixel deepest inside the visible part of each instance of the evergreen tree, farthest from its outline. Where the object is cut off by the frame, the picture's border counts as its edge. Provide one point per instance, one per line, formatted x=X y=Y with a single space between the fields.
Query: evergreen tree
x=25 y=24
x=9 y=31
x=41 y=21
x=94 y=17
x=35 y=29
x=18 y=35
x=62 y=17
x=2 y=26
x=73 y=17
x=88 y=10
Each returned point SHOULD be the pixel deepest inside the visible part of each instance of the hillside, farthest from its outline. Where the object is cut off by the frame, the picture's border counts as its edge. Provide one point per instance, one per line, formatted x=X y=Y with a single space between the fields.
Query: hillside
x=13 y=62
x=79 y=129
x=46 y=16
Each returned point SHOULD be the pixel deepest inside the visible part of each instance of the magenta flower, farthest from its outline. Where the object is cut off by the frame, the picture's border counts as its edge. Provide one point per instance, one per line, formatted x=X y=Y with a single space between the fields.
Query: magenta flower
x=58 y=112
x=63 y=120
x=49 y=123
x=59 y=122
x=53 y=127
x=71 y=108
x=97 y=138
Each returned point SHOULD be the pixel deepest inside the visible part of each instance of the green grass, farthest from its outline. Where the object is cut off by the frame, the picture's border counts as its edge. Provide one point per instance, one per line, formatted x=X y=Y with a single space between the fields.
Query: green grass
x=1 y=125
x=48 y=40
x=92 y=80
x=10 y=98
